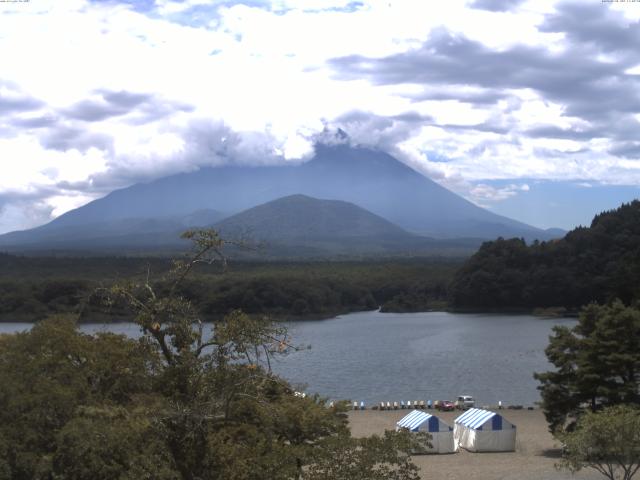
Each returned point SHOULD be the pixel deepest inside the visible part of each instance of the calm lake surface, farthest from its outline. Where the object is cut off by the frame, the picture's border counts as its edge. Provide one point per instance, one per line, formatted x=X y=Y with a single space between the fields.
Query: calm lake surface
x=373 y=356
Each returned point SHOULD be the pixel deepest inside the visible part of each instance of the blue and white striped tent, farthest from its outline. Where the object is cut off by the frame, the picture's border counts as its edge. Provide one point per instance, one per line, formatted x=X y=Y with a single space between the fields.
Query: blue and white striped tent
x=441 y=433
x=480 y=430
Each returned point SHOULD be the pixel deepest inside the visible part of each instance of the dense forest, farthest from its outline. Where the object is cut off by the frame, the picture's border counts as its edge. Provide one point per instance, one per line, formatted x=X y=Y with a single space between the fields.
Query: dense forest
x=33 y=287
x=594 y=264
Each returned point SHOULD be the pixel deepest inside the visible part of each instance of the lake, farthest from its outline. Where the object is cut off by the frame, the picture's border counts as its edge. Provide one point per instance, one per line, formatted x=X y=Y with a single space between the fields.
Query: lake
x=373 y=356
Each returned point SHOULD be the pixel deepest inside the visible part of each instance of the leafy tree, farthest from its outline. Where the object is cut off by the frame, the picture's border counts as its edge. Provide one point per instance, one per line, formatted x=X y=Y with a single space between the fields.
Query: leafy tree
x=373 y=458
x=103 y=443
x=49 y=373
x=184 y=402
x=5 y=467
x=606 y=441
x=597 y=364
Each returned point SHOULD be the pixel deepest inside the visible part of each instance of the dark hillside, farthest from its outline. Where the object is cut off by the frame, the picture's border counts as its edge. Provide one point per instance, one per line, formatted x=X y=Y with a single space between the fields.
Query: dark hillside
x=597 y=263
x=298 y=217
x=301 y=226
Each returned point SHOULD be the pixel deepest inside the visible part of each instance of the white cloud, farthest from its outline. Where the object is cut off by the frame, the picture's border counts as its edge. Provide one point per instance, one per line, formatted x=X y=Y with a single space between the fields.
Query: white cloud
x=168 y=7
x=252 y=82
x=484 y=194
x=21 y=215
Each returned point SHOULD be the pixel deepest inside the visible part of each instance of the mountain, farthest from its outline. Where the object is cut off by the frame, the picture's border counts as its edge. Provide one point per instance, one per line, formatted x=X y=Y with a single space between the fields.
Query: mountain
x=368 y=178
x=110 y=233
x=298 y=225
x=556 y=232
x=299 y=218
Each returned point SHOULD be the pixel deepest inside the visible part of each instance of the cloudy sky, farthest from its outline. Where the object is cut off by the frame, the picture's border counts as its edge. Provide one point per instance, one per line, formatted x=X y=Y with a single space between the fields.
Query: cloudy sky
x=528 y=108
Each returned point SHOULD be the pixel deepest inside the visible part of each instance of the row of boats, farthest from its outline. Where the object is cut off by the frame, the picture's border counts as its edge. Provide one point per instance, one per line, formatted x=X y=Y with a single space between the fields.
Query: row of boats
x=415 y=404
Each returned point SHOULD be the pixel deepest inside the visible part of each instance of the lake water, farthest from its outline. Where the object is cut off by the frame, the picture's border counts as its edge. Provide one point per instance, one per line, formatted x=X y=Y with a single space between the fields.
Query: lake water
x=373 y=356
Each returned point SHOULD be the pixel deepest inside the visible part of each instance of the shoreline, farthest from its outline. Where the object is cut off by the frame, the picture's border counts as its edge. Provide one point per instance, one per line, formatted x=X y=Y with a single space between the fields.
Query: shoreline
x=543 y=315
x=534 y=458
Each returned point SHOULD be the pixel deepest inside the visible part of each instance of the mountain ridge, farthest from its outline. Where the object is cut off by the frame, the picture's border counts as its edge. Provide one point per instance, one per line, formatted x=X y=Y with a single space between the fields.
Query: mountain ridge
x=370 y=179
x=302 y=216
x=298 y=226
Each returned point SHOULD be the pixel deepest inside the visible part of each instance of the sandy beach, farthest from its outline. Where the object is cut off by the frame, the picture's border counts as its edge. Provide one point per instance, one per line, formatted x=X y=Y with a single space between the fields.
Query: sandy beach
x=534 y=458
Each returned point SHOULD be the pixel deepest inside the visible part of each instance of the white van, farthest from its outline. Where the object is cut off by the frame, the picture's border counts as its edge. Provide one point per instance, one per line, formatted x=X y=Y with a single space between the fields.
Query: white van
x=465 y=401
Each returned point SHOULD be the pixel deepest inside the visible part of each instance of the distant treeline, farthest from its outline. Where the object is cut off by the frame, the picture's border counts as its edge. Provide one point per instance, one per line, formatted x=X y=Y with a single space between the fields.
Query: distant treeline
x=34 y=287
x=595 y=264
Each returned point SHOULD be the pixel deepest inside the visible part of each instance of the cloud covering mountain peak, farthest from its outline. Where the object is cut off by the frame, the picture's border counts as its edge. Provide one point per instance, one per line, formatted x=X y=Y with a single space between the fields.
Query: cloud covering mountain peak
x=467 y=92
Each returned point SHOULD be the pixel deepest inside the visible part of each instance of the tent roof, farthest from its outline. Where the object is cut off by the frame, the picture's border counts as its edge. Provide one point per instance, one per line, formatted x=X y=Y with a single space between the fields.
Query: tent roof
x=475 y=418
x=415 y=419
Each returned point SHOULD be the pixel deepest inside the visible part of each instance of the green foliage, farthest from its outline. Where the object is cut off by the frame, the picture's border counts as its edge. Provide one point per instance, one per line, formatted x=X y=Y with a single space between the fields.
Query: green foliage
x=33 y=288
x=373 y=458
x=607 y=441
x=597 y=363
x=111 y=442
x=50 y=372
x=595 y=264
x=184 y=402
x=412 y=301
x=5 y=467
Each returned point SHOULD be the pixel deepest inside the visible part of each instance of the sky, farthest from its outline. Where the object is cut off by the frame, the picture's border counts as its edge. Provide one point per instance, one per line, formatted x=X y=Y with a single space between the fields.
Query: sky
x=528 y=108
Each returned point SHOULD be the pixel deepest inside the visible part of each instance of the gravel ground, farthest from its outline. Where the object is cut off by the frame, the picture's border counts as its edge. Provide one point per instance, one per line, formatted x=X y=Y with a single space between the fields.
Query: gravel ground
x=534 y=458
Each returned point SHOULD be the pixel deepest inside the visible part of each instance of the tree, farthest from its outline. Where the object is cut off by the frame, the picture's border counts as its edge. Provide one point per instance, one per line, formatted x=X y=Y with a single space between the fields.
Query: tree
x=103 y=443
x=594 y=264
x=373 y=458
x=51 y=372
x=184 y=402
x=607 y=441
x=597 y=364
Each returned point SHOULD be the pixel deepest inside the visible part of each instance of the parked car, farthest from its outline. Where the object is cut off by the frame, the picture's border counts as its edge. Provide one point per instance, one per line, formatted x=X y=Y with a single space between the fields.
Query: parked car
x=465 y=401
x=446 y=405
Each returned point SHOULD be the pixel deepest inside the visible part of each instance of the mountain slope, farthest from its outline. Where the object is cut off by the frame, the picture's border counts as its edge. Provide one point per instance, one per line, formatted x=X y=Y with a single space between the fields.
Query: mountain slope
x=99 y=233
x=598 y=263
x=300 y=218
x=368 y=178
x=298 y=225
x=302 y=226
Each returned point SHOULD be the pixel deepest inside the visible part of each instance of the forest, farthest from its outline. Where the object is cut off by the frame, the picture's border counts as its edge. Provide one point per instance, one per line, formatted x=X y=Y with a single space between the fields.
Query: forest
x=590 y=264
x=31 y=288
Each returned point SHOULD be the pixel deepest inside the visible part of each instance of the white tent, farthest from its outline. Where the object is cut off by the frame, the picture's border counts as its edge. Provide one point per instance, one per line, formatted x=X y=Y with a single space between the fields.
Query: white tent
x=441 y=433
x=480 y=430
